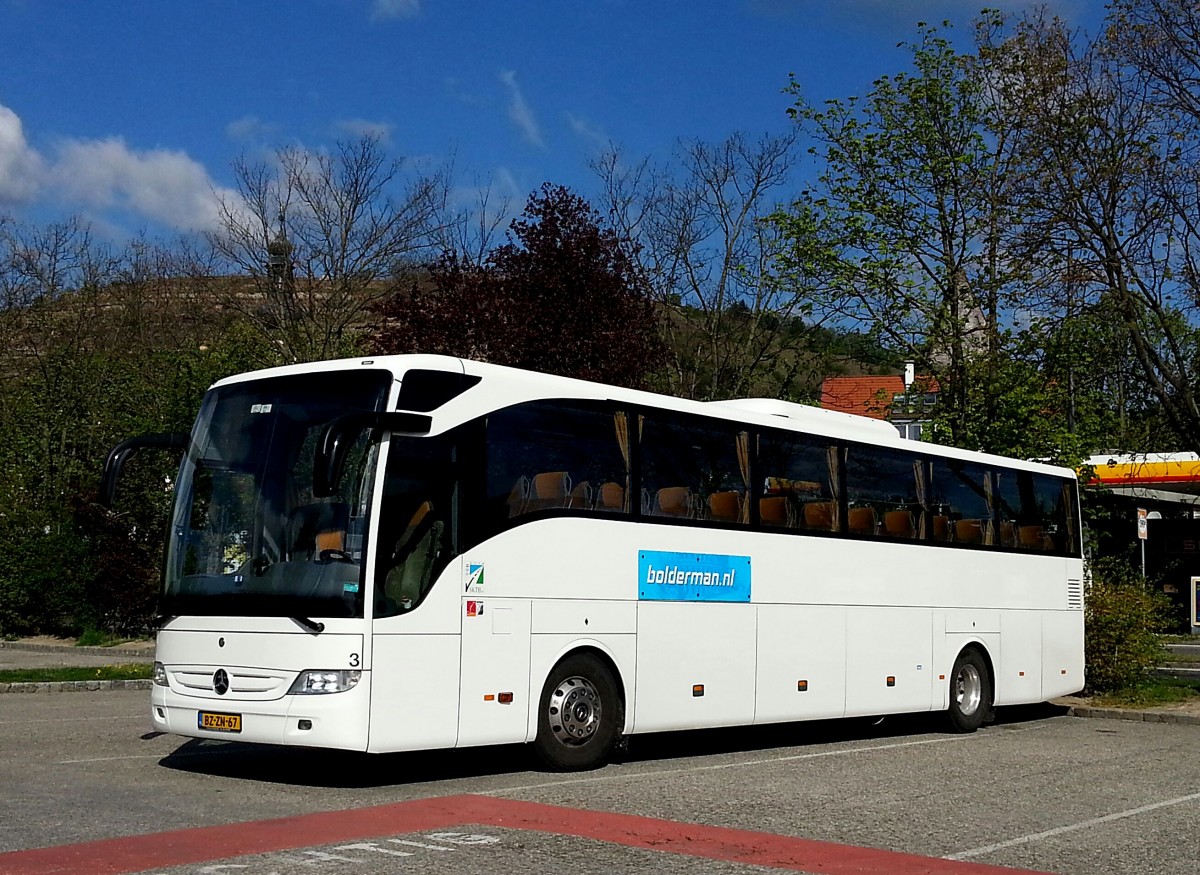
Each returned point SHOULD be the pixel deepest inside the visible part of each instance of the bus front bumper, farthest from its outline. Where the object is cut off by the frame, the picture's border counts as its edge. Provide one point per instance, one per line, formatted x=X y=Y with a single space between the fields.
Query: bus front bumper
x=332 y=720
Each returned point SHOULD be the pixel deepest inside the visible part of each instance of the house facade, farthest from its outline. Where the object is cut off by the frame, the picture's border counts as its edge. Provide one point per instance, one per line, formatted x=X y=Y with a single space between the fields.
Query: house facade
x=906 y=401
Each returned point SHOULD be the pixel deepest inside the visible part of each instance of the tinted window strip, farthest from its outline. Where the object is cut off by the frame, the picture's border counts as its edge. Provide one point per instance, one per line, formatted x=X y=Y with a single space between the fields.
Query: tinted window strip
x=931 y=463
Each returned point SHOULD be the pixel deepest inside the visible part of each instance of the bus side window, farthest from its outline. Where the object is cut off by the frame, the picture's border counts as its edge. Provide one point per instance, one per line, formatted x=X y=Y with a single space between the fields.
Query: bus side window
x=544 y=456
x=886 y=492
x=414 y=560
x=1034 y=512
x=797 y=488
x=962 y=493
x=1008 y=506
x=417 y=538
x=1045 y=511
x=694 y=468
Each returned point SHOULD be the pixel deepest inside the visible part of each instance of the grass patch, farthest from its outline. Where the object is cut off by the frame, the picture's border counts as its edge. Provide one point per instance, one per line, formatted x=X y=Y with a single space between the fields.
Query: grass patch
x=1151 y=693
x=99 y=638
x=134 y=672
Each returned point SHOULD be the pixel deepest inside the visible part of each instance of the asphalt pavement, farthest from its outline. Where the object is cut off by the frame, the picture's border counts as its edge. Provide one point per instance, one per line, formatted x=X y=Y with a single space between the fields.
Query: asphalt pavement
x=88 y=788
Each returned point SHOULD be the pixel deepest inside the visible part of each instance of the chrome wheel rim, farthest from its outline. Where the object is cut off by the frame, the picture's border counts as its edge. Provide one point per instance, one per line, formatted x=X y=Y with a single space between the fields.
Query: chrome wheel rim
x=968 y=689
x=574 y=711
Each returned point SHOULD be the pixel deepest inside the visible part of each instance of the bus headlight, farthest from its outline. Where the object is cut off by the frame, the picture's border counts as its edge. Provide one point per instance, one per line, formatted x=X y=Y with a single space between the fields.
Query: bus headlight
x=160 y=674
x=315 y=681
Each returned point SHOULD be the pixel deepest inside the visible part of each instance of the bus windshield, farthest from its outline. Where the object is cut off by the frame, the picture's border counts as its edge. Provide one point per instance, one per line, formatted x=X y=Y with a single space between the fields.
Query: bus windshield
x=248 y=535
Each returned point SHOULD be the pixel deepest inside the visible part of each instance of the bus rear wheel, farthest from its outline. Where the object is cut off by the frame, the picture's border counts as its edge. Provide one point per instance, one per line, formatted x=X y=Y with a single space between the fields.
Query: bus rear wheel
x=970 y=691
x=579 y=714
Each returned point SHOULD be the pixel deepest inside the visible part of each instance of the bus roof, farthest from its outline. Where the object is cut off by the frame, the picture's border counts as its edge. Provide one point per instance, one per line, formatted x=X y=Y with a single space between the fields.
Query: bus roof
x=508 y=386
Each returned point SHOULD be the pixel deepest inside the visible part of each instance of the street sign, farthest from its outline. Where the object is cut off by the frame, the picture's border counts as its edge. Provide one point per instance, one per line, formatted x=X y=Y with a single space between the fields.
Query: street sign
x=1142 y=524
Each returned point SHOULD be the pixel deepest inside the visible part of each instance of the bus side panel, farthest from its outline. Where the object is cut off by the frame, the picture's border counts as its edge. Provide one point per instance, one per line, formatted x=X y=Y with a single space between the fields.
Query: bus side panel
x=888 y=643
x=1019 y=669
x=1062 y=653
x=414 y=692
x=681 y=645
x=495 y=661
x=801 y=663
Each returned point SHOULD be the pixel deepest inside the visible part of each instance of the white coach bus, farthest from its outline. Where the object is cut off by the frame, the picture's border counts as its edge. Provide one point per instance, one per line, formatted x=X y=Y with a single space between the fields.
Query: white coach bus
x=413 y=552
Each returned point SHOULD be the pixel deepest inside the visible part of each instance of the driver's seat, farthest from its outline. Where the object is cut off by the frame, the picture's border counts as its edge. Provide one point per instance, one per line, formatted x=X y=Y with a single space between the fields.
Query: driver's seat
x=414 y=559
x=317 y=527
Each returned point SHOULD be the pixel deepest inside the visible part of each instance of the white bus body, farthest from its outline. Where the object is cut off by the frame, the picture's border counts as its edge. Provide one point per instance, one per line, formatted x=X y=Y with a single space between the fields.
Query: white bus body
x=761 y=597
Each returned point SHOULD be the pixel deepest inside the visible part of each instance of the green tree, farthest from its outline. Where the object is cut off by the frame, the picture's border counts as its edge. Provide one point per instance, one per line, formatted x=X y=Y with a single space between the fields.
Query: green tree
x=912 y=203
x=100 y=343
x=1107 y=197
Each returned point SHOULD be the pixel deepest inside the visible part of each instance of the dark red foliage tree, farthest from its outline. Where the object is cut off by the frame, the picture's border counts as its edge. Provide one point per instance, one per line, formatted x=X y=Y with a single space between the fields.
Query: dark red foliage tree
x=561 y=296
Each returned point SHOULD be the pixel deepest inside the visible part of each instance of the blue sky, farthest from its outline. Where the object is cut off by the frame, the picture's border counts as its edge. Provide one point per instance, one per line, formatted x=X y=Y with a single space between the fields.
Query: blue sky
x=130 y=113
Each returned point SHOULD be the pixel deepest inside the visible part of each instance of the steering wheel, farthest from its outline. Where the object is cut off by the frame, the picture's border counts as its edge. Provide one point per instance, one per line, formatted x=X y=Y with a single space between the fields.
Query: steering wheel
x=330 y=555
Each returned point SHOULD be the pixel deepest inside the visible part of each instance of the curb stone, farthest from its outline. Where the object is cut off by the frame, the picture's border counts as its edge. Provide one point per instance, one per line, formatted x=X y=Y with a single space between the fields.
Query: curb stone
x=1144 y=716
x=74 y=686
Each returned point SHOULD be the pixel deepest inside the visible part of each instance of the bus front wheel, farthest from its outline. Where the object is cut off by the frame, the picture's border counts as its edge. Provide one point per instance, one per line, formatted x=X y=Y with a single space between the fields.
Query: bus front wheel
x=970 y=691
x=579 y=714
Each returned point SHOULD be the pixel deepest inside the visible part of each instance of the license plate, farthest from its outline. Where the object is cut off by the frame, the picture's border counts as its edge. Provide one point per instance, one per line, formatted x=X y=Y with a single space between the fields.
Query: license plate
x=219 y=722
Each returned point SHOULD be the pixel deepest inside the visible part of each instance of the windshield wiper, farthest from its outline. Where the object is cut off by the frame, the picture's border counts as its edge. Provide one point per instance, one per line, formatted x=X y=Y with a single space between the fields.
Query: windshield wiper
x=311 y=625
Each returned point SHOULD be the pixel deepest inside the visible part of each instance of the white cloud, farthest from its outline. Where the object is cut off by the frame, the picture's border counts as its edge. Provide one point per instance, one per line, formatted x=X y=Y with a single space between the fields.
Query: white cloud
x=20 y=165
x=98 y=176
x=385 y=9
x=506 y=183
x=159 y=184
x=361 y=127
x=585 y=130
x=250 y=128
x=519 y=112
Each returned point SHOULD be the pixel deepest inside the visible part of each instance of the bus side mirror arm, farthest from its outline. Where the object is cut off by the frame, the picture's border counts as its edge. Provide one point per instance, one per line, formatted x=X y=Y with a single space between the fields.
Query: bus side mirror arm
x=122 y=452
x=341 y=434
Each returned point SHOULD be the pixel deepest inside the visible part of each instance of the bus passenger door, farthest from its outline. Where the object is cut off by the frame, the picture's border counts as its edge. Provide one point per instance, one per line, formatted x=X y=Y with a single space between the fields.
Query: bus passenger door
x=414 y=673
x=416 y=588
x=494 y=694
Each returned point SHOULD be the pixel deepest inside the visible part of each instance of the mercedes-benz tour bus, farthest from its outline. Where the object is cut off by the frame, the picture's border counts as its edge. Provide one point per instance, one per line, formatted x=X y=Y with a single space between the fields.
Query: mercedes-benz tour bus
x=413 y=552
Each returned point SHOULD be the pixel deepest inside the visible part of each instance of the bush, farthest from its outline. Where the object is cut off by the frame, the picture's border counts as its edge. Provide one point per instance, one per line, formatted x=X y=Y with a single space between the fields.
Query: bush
x=1123 y=620
x=42 y=574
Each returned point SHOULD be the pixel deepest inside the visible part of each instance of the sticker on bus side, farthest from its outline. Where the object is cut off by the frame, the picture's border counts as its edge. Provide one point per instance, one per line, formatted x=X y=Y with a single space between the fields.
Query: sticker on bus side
x=693 y=577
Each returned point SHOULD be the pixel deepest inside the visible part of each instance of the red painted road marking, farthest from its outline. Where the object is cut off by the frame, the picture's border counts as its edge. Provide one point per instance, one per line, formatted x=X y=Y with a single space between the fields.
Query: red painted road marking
x=207 y=843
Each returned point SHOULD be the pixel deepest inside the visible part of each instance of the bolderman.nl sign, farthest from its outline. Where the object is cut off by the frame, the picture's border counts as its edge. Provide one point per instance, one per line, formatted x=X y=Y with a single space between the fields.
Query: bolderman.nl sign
x=693 y=577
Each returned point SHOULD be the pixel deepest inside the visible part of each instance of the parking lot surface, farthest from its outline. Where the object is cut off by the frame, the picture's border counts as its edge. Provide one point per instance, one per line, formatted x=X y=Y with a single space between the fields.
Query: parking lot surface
x=88 y=788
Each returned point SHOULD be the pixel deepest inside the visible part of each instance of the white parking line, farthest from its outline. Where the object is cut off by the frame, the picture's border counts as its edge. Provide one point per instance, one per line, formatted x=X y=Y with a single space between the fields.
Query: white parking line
x=136 y=756
x=138 y=716
x=738 y=764
x=1083 y=824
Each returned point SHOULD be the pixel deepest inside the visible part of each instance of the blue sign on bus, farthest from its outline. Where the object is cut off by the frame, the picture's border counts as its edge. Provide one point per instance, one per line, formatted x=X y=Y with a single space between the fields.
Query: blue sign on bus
x=693 y=577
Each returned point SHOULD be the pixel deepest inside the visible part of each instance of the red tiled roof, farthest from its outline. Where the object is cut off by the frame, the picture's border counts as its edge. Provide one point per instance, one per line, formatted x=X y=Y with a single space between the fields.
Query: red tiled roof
x=866 y=396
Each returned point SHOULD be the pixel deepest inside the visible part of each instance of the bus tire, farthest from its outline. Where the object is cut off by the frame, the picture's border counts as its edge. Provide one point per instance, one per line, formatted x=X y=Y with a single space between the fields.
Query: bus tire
x=970 y=691
x=580 y=714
